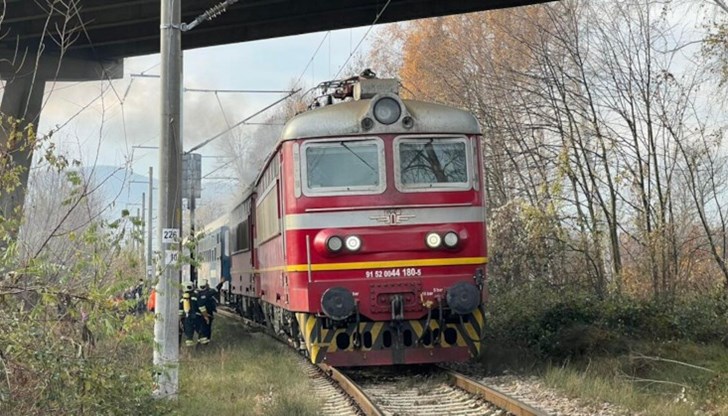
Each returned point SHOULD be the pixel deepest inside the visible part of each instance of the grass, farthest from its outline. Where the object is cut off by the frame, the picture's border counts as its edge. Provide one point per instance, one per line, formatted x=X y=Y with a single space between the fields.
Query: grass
x=242 y=373
x=646 y=383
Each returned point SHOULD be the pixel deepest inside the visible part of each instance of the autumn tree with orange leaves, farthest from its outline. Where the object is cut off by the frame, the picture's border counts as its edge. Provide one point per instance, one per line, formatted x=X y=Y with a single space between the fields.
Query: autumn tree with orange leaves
x=601 y=156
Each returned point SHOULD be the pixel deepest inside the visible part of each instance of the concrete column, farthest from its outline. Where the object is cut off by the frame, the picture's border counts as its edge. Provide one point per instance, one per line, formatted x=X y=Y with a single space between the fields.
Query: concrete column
x=22 y=99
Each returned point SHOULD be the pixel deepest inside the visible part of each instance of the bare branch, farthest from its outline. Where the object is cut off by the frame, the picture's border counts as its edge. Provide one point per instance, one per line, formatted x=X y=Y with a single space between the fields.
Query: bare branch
x=722 y=4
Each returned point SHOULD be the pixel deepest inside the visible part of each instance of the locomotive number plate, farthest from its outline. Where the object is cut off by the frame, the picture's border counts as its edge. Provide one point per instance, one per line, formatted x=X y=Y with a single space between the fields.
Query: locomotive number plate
x=403 y=272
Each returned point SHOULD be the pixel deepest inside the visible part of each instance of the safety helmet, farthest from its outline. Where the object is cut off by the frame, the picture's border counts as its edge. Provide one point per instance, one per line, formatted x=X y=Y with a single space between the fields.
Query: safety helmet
x=188 y=286
x=202 y=283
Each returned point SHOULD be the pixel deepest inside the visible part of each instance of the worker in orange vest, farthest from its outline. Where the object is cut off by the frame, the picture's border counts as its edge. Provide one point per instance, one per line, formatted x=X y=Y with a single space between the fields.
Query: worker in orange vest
x=152 y=301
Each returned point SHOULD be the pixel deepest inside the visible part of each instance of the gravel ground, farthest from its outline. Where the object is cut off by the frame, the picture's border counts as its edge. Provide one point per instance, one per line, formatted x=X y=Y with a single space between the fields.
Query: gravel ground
x=532 y=391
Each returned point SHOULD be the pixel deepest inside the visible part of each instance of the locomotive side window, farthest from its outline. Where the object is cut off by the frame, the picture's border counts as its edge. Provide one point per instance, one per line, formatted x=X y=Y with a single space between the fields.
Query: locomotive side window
x=267 y=219
x=242 y=236
x=425 y=163
x=343 y=166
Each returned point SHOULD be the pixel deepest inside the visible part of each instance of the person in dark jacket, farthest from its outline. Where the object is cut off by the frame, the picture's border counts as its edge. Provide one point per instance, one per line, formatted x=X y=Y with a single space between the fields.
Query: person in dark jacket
x=208 y=307
x=189 y=313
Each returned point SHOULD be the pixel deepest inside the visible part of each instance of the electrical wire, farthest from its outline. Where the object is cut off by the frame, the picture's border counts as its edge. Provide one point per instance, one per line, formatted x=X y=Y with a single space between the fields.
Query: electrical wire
x=376 y=19
x=243 y=121
x=310 y=61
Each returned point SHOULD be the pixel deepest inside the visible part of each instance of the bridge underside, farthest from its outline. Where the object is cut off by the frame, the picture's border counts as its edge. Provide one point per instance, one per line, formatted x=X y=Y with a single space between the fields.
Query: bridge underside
x=76 y=40
x=107 y=29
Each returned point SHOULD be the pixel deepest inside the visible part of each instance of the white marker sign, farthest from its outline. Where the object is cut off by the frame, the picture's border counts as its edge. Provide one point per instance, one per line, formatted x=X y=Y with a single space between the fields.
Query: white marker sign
x=171 y=257
x=170 y=235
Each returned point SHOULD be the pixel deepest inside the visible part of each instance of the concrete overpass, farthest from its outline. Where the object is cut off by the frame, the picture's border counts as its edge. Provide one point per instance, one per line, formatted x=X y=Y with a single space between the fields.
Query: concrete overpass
x=88 y=39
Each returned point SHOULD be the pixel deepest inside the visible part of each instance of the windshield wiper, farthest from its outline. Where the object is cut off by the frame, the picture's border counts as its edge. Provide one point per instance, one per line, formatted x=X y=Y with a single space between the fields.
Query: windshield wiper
x=358 y=157
x=417 y=155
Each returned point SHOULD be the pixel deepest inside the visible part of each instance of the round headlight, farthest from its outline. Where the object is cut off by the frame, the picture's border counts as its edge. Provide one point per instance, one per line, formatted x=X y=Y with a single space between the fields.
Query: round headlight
x=433 y=240
x=451 y=239
x=334 y=244
x=387 y=110
x=353 y=243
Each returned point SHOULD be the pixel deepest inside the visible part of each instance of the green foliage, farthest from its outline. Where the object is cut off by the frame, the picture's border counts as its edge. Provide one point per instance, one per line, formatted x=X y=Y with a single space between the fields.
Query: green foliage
x=558 y=324
x=68 y=342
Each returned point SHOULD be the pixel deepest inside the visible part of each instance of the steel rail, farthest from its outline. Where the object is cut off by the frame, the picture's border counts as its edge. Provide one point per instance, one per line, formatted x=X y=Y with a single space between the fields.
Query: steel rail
x=353 y=390
x=510 y=404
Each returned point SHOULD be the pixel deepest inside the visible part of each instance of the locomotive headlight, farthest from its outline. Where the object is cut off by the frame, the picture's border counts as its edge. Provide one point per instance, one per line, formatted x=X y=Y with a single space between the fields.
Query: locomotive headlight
x=334 y=244
x=353 y=243
x=387 y=110
x=433 y=240
x=451 y=239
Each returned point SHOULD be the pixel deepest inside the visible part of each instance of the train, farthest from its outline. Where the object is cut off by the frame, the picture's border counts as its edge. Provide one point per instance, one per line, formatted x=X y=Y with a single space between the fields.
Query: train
x=363 y=238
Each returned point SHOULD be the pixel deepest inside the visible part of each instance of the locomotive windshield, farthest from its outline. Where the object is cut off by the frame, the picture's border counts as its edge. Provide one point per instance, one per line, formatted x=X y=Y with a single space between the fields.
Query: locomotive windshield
x=344 y=166
x=432 y=162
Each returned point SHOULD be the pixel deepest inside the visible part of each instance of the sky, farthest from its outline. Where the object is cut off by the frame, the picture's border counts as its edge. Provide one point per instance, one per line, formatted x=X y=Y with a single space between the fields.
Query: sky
x=127 y=115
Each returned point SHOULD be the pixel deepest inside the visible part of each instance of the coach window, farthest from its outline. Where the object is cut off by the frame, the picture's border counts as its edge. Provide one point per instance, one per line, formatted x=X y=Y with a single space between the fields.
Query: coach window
x=334 y=167
x=425 y=163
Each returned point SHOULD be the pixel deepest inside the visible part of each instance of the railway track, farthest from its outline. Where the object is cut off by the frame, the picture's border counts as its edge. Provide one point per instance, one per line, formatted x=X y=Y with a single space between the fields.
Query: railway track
x=428 y=391
x=398 y=391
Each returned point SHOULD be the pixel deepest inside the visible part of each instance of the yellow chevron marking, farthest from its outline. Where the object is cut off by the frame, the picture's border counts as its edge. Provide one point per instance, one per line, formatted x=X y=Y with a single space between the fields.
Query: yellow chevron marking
x=314 y=353
x=479 y=318
x=376 y=332
x=417 y=328
x=306 y=325
x=470 y=332
x=310 y=326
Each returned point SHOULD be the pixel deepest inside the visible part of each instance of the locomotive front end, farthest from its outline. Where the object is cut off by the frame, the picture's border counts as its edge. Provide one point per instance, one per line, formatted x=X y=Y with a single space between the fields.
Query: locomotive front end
x=385 y=229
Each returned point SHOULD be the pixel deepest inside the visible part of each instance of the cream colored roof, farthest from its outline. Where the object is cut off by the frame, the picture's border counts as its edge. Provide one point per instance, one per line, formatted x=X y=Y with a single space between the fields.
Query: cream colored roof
x=344 y=119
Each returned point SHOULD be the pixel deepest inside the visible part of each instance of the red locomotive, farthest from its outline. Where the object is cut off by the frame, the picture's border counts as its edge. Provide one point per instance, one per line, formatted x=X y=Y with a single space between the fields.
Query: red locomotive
x=363 y=238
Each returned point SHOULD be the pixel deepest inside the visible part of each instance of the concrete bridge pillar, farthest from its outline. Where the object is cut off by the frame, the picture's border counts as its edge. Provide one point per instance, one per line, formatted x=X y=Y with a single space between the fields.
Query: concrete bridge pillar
x=22 y=99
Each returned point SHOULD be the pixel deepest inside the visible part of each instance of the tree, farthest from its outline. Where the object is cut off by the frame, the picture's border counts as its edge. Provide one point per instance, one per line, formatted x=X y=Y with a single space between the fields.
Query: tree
x=584 y=107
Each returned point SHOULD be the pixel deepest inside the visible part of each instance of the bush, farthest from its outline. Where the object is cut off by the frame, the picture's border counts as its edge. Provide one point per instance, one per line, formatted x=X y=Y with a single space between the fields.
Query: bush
x=68 y=343
x=562 y=324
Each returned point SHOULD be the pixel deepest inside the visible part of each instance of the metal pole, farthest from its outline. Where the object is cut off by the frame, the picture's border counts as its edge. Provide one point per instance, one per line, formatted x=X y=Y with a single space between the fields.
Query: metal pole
x=137 y=245
x=151 y=218
x=166 y=331
x=193 y=270
x=143 y=221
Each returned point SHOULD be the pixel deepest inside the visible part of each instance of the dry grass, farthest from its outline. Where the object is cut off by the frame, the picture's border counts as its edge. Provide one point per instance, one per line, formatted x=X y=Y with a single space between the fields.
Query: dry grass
x=652 y=387
x=242 y=373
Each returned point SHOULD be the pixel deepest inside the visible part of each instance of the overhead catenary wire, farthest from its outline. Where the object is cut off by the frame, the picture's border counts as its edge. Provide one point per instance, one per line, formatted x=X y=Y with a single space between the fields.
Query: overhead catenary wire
x=243 y=121
x=376 y=19
x=351 y=53
x=237 y=91
x=310 y=61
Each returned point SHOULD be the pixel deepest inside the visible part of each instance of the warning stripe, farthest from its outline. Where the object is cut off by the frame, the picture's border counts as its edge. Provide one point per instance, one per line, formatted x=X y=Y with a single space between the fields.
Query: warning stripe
x=320 y=341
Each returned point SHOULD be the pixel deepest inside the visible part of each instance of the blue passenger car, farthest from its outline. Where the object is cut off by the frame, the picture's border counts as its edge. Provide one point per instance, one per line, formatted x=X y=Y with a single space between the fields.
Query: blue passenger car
x=213 y=251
